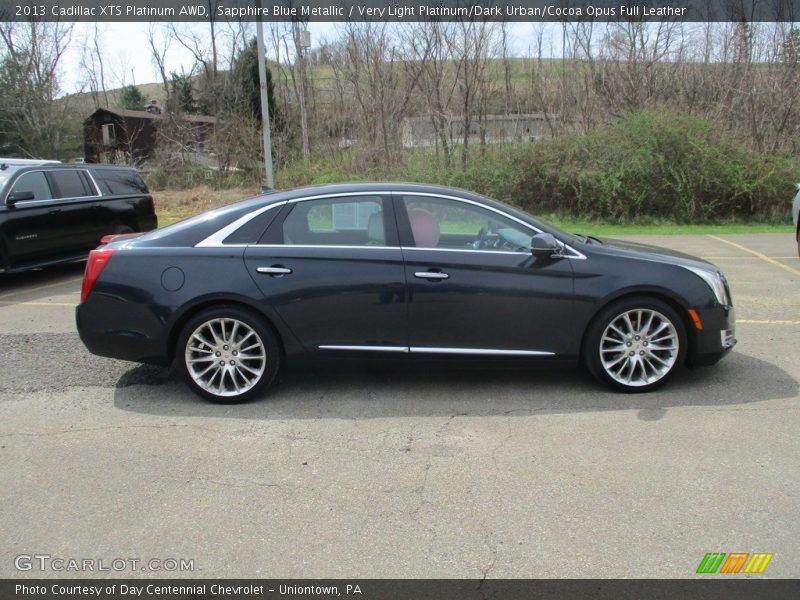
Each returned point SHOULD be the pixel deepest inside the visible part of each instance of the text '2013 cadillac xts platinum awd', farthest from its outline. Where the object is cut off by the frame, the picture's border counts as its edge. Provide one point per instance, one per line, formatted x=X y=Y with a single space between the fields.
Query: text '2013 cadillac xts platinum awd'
x=395 y=270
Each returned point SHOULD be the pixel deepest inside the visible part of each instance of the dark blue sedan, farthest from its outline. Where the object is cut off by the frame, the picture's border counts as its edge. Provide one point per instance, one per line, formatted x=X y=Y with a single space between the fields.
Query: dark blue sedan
x=395 y=270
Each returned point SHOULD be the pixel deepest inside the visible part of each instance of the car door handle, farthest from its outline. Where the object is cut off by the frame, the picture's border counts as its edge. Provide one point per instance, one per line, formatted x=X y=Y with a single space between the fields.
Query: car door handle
x=275 y=270
x=431 y=275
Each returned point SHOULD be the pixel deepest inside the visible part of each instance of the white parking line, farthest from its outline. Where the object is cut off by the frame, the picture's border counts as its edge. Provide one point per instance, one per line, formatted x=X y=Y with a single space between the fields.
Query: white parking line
x=41 y=287
x=6 y=303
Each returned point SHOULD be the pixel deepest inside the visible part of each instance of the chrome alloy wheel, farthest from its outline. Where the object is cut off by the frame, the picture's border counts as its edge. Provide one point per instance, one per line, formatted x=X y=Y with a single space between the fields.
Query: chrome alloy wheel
x=225 y=357
x=639 y=347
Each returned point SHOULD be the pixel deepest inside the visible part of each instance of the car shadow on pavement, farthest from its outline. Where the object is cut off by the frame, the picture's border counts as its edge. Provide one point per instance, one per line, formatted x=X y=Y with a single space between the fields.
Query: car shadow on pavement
x=372 y=391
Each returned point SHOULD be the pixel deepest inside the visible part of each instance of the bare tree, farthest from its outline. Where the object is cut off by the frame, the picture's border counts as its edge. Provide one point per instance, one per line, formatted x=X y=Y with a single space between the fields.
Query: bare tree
x=32 y=122
x=470 y=50
x=92 y=65
x=429 y=48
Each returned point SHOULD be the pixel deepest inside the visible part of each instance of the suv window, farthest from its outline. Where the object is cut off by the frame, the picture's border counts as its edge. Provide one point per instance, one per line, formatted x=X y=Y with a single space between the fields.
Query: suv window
x=70 y=184
x=350 y=221
x=35 y=182
x=444 y=223
x=119 y=181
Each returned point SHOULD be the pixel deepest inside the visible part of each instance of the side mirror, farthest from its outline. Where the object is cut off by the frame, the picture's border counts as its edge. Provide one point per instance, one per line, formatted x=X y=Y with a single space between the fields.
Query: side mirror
x=15 y=197
x=544 y=244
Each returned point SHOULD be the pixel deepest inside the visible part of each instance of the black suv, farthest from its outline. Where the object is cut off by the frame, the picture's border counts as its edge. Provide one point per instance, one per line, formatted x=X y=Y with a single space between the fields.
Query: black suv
x=52 y=212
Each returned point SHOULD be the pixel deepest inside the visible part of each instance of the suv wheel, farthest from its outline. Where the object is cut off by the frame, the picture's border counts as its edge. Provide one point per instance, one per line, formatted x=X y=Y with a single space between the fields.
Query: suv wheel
x=228 y=354
x=635 y=345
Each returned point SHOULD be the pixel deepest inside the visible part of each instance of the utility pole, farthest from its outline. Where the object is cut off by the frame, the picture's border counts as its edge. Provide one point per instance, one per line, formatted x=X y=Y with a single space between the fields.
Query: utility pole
x=265 y=124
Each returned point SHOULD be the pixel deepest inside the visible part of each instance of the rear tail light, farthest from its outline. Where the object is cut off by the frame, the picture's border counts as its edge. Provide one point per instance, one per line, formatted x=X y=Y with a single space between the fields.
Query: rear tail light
x=152 y=203
x=98 y=259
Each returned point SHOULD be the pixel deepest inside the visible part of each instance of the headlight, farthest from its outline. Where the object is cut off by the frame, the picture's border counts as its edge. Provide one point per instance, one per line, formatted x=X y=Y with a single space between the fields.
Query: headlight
x=715 y=281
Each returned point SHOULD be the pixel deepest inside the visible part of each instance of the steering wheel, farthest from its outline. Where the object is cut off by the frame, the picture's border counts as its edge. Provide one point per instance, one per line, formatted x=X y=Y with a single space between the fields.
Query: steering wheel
x=482 y=240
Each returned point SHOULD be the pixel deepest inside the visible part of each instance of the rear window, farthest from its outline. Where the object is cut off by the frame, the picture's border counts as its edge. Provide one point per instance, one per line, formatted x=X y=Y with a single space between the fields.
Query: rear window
x=119 y=181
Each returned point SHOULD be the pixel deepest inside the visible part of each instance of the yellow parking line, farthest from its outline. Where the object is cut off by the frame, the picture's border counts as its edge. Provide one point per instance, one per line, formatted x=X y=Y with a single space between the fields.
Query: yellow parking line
x=765 y=322
x=41 y=287
x=747 y=257
x=763 y=257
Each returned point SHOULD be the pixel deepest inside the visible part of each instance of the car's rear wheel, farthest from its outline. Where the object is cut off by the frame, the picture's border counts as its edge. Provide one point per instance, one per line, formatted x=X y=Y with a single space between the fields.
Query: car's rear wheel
x=228 y=354
x=635 y=345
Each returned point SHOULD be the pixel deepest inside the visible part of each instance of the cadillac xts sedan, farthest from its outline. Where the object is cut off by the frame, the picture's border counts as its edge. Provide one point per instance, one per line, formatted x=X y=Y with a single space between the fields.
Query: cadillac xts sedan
x=395 y=270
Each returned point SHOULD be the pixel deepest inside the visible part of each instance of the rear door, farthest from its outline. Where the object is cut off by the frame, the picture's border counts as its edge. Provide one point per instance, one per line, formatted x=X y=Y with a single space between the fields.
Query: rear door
x=77 y=208
x=332 y=269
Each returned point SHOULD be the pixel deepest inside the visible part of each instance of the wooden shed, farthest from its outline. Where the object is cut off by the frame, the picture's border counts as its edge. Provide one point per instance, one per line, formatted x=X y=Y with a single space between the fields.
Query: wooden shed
x=114 y=135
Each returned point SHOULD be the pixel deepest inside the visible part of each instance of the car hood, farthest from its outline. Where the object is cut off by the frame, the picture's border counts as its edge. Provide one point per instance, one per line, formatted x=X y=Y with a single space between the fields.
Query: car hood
x=649 y=252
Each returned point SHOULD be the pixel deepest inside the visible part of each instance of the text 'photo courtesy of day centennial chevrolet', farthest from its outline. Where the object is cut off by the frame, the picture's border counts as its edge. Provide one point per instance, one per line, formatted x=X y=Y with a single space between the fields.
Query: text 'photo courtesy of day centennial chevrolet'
x=399 y=271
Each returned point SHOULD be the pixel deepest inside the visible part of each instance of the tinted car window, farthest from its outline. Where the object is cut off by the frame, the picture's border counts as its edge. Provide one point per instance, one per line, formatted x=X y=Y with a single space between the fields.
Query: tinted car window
x=443 y=223
x=351 y=221
x=34 y=182
x=119 y=181
x=69 y=184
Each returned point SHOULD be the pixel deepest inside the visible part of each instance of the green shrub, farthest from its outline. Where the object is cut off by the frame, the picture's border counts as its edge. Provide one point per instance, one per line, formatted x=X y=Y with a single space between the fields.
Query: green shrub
x=645 y=167
x=657 y=165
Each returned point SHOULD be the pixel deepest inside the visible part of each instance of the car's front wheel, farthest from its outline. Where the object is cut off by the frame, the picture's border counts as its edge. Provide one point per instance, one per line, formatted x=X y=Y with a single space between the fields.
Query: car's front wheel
x=228 y=354
x=635 y=345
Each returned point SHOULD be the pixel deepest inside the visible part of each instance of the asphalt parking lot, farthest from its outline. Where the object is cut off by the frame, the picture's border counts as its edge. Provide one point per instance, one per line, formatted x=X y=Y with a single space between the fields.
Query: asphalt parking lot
x=410 y=472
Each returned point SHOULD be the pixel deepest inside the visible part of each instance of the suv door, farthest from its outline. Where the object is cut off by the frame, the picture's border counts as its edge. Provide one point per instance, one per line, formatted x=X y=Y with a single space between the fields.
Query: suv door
x=474 y=286
x=77 y=208
x=31 y=230
x=332 y=269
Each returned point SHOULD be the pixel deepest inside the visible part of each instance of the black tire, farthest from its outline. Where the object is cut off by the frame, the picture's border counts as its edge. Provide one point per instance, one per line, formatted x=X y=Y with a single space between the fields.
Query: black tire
x=225 y=346
x=649 y=353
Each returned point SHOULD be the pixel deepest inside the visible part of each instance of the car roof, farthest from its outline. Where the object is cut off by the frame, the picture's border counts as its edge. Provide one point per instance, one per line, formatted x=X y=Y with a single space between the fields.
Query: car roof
x=37 y=165
x=367 y=187
x=27 y=161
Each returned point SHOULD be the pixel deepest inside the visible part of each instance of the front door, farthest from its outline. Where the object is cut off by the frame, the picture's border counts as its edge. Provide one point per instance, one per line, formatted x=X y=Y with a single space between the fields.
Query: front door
x=474 y=287
x=333 y=270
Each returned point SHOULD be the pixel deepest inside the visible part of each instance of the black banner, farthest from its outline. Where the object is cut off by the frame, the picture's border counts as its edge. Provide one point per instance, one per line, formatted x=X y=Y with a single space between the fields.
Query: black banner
x=401 y=10
x=402 y=589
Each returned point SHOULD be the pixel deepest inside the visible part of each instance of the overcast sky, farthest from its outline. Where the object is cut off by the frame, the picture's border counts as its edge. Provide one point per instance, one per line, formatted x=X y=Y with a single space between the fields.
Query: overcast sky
x=127 y=53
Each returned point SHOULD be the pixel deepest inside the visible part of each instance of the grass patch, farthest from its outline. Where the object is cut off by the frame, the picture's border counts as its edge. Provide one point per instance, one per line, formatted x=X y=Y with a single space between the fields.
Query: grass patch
x=174 y=205
x=664 y=228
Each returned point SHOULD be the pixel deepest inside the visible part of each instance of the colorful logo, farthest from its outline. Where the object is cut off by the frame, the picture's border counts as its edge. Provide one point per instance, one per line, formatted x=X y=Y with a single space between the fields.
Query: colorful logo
x=734 y=562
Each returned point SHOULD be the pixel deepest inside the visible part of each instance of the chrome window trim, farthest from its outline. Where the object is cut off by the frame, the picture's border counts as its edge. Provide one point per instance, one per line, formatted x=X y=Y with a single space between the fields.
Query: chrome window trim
x=94 y=183
x=337 y=195
x=326 y=247
x=428 y=350
x=215 y=240
x=470 y=250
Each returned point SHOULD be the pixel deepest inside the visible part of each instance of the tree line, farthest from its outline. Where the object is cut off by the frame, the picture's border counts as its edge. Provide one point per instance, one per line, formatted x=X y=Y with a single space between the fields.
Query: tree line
x=352 y=91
